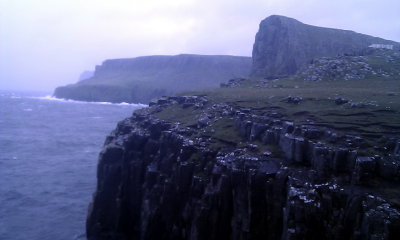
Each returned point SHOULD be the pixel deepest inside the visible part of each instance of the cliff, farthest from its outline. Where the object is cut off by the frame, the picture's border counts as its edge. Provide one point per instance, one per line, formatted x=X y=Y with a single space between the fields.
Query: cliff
x=260 y=159
x=284 y=45
x=192 y=179
x=312 y=156
x=143 y=78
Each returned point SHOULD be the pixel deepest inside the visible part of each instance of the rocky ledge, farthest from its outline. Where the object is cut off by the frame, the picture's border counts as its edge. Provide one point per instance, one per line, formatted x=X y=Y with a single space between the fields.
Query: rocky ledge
x=160 y=179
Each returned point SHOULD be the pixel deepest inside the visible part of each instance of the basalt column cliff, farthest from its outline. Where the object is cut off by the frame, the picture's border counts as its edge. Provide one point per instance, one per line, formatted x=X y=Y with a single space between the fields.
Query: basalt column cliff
x=157 y=180
x=309 y=157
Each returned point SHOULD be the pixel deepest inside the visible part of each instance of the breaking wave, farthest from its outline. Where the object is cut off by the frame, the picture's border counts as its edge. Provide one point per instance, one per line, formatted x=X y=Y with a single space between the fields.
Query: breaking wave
x=52 y=98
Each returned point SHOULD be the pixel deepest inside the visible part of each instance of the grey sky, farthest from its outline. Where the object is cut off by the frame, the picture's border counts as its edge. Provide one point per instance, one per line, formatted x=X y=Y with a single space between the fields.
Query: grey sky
x=48 y=43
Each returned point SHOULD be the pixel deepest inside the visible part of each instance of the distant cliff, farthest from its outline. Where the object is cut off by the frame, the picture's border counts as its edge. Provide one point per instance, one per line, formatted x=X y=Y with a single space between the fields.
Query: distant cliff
x=143 y=78
x=284 y=45
x=86 y=75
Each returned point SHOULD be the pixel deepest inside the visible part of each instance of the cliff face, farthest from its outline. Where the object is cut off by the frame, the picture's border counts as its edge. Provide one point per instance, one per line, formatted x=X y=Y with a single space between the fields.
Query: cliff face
x=160 y=180
x=284 y=45
x=143 y=78
x=314 y=156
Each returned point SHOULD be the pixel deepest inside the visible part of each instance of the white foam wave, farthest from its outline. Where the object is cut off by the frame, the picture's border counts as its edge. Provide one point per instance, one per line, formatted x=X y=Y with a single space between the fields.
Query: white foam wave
x=51 y=98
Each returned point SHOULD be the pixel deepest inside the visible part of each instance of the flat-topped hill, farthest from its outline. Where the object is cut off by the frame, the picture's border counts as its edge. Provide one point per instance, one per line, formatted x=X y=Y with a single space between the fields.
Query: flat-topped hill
x=284 y=45
x=143 y=78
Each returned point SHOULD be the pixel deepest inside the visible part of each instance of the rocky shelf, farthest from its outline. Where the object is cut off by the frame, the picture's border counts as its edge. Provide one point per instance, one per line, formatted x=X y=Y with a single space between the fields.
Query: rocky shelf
x=163 y=179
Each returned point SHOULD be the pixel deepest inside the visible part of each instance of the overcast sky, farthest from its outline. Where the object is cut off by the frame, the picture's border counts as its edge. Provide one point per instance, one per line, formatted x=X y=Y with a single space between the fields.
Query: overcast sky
x=48 y=43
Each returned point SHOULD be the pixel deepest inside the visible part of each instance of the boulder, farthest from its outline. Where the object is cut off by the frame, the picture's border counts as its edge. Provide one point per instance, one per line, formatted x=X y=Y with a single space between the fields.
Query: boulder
x=340 y=101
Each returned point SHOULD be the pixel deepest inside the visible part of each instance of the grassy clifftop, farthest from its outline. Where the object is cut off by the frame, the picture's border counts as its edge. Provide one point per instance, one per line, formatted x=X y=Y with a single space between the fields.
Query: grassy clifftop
x=357 y=115
x=364 y=102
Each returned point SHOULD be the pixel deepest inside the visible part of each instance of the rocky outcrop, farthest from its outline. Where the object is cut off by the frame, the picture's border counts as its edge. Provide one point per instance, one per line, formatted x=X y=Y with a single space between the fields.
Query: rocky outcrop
x=284 y=45
x=353 y=67
x=143 y=78
x=159 y=180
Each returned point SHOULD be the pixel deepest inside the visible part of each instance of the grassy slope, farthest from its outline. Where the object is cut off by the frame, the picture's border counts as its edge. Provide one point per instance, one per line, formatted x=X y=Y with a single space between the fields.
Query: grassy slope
x=377 y=116
x=376 y=98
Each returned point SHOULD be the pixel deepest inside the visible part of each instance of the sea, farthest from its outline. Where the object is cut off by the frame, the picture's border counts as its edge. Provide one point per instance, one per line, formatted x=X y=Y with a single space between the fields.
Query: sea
x=49 y=150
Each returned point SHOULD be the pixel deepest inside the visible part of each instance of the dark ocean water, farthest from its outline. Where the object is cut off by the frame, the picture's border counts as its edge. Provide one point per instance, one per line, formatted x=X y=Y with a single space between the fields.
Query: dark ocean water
x=48 y=158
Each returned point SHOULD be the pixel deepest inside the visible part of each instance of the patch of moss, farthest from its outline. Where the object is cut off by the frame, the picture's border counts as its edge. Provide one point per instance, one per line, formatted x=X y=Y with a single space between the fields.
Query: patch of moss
x=176 y=113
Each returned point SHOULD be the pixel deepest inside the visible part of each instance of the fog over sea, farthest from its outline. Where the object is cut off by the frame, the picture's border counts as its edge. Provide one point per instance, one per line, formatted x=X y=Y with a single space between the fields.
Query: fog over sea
x=48 y=158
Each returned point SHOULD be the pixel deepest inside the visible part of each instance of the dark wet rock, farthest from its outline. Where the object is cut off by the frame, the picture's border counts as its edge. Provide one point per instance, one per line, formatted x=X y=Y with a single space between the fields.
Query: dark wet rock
x=163 y=100
x=272 y=136
x=332 y=137
x=312 y=132
x=321 y=159
x=256 y=131
x=364 y=170
x=269 y=137
x=203 y=122
x=288 y=127
x=152 y=102
x=293 y=147
x=397 y=148
x=379 y=220
x=236 y=82
x=340 y=101
x=187 y=105
x=159 y=181
x=245 y=129
x=294 y=100
x=275 y=115
x=340 y=160
x=389 y=167
x=245 y=110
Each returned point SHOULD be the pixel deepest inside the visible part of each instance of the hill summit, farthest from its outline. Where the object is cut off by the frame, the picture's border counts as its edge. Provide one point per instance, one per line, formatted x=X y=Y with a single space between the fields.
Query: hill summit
x=284 y=45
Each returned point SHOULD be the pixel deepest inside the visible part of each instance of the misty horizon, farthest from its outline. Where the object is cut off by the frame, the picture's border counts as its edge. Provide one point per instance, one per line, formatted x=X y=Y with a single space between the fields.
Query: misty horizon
x=51 y=44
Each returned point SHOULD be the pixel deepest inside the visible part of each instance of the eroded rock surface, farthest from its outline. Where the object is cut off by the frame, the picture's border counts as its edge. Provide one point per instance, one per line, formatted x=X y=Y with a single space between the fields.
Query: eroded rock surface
x=159 y=180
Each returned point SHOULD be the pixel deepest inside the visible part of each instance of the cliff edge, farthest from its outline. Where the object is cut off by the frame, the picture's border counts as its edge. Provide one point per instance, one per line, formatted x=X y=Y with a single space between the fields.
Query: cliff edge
x=160 y=179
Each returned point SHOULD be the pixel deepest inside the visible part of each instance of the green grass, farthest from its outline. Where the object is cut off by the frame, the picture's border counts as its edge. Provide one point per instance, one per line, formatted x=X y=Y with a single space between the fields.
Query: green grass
x=381 y=105
x=378 y=97
x=176 y=113
x=380 y=116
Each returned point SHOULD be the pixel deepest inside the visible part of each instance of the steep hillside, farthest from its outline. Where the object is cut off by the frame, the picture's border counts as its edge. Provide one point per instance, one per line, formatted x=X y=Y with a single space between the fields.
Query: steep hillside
x=143 y=78
x=284 y=45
